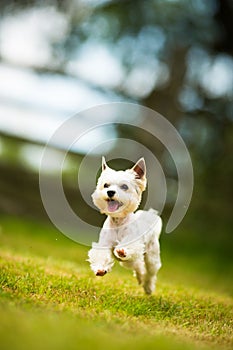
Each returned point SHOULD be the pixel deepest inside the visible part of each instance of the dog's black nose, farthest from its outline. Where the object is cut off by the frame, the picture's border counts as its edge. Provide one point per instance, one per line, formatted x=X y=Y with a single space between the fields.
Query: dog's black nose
x=111 y=193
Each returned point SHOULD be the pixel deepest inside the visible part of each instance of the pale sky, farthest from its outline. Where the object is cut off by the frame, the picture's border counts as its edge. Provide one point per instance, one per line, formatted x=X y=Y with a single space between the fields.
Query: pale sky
x=34 y=106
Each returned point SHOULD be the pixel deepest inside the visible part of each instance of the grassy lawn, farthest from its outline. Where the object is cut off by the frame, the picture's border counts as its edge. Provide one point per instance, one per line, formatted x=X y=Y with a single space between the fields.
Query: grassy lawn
x=49 y=298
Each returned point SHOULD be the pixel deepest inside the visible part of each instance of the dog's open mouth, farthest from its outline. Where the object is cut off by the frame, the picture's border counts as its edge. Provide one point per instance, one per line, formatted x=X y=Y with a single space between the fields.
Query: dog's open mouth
x=113 y=205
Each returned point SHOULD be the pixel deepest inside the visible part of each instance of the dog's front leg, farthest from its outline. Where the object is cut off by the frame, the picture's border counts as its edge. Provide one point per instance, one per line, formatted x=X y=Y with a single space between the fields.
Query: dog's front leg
x=101 y=260
x=129 y=252
x=100 y=256
x=132 y=257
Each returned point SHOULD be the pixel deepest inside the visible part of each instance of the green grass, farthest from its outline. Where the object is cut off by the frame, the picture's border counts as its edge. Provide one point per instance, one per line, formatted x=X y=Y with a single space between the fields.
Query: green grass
x=49 y=299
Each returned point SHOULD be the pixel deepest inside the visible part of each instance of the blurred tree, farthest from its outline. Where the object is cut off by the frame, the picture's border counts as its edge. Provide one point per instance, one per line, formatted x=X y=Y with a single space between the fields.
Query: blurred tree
x=172 y=56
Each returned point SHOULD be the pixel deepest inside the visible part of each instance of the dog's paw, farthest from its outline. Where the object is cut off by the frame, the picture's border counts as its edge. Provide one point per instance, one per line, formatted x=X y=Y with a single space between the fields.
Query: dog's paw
x=101 y=273
x=121 y=253
x=149 y=285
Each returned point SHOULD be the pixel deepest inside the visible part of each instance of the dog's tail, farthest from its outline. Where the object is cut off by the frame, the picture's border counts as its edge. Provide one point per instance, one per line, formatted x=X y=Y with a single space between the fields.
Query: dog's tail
x=154 y=211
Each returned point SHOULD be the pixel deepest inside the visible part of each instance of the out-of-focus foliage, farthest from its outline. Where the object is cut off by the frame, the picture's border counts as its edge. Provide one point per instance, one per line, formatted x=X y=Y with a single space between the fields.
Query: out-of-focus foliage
x=174 y=56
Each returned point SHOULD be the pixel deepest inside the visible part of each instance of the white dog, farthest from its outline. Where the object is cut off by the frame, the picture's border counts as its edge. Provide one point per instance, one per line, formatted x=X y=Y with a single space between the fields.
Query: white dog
x=128 y=236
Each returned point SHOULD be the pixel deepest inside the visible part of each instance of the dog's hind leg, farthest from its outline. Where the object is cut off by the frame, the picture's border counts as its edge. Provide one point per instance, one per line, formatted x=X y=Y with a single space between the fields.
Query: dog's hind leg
x=138 y=267
x=139 y=271
x=152 y=264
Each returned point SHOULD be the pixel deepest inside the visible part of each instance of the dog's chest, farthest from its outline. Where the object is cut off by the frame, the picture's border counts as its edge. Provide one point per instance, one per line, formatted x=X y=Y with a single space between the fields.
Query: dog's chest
x=128 y=229
x=121 y=233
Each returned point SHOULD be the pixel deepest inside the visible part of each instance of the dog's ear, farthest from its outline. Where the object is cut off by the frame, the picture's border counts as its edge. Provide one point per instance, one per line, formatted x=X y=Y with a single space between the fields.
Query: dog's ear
x=104 y=164
x=140 y=169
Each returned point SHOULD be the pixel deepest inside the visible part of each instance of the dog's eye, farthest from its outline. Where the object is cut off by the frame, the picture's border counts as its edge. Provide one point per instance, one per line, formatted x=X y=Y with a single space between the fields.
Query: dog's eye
x=106 y=185
x=124 y=187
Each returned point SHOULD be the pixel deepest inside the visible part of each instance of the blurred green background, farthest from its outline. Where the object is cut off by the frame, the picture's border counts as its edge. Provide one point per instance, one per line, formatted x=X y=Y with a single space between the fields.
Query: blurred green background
x=60 y=57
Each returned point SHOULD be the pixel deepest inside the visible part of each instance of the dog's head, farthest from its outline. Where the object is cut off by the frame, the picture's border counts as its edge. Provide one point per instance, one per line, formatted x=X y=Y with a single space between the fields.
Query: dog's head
x=119 y=193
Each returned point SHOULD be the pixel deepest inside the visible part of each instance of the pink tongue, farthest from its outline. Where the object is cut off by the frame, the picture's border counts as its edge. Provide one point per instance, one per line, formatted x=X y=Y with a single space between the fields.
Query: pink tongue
x=113 y=206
